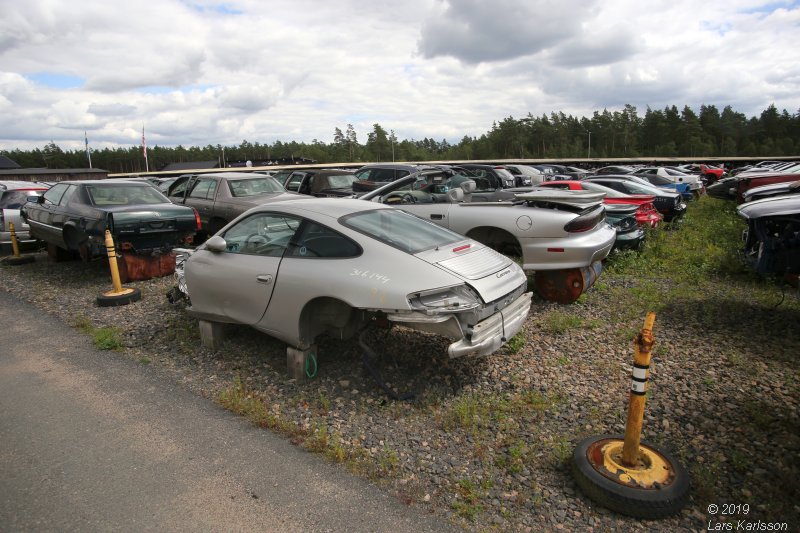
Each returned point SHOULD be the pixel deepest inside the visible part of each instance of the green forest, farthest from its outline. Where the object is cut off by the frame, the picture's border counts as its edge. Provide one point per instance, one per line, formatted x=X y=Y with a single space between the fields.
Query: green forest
x=608 y=134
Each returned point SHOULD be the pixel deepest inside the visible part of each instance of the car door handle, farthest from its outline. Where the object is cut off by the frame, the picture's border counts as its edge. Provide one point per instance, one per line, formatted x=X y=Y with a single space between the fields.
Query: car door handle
x=264 y=278
x=437 y=217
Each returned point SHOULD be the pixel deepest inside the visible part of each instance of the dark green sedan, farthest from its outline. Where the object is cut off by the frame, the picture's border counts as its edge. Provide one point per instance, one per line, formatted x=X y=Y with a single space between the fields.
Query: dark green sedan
x=72 y=217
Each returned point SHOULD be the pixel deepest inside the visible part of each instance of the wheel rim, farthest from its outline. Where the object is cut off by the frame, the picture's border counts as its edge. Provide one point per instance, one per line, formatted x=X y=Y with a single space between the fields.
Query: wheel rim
x=652 y=470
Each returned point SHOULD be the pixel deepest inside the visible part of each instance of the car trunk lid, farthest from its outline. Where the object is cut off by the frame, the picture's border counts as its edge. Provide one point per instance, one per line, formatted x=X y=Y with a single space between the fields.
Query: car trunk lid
x=485 y=270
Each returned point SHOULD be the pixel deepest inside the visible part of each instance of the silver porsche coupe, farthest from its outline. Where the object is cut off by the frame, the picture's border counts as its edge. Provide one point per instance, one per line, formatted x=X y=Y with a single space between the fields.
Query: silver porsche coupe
x=295 y=270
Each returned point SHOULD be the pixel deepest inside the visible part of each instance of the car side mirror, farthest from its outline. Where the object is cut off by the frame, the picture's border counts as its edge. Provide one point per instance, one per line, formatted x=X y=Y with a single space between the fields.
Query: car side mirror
x=34 y=199
x=216 y=244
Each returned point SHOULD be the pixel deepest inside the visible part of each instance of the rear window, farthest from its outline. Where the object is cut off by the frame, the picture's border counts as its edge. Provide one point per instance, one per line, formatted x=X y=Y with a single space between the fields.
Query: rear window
x=108 y=195
x=400 y=230
x=254 y=186
x=16 y=198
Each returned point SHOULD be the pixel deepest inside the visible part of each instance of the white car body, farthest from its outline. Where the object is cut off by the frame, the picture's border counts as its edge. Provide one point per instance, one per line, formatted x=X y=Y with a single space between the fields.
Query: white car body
x=297 y=269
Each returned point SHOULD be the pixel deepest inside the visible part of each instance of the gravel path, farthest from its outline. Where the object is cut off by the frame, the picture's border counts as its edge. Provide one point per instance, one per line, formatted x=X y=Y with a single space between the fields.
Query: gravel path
x=487 y=442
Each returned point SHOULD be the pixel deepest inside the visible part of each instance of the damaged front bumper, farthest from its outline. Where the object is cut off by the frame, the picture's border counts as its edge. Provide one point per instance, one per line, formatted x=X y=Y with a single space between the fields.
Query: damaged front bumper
x=483 y=338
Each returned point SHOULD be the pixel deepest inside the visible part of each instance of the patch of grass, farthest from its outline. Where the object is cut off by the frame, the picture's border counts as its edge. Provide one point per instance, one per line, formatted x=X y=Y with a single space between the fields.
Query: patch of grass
x=561 y=451
x=516 y=343
x=104 y=338
x=388 y=462
x=240 y=400
x=468 y=503
x=464 y=413
x=705 y=482
x=559 y=322
x=323 y=402
x=144 y=361
x=108 y=338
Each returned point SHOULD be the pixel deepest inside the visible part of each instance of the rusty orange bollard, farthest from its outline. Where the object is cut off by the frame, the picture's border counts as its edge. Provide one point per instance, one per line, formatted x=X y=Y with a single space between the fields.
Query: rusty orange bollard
x=118 y=295
x=16 y=258
x=623 y=473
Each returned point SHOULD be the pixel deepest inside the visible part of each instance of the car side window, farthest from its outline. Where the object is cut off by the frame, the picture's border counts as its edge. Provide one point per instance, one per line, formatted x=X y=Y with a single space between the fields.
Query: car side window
x=204 y=188
x=294 y=182
x=54 y=194
x=364 y=174
x=316 y=240
x=70 y=192
x=178 y=187
x=267 y=234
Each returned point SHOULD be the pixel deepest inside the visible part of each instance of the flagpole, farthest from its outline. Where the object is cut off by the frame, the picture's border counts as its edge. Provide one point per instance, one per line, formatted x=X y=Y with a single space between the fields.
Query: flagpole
x=88 y=153
x=144 y=150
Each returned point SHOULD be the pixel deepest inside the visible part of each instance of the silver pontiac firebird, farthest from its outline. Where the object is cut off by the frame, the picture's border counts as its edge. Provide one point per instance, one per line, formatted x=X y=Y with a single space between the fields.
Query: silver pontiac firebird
x=295 y=270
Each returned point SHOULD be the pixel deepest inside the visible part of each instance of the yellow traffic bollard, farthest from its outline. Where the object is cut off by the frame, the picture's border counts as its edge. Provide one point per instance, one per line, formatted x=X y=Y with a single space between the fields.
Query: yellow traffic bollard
x=16 y=258
x=118 y=295
x=623 y=473
x=640 y=374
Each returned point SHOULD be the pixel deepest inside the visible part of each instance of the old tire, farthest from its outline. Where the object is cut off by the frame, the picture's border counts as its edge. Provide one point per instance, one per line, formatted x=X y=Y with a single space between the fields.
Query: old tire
x=126 y=297
x=659 y=501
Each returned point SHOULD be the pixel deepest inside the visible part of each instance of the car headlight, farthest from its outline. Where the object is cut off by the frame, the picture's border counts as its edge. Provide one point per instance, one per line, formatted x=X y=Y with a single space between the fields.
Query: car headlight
x=445 y=300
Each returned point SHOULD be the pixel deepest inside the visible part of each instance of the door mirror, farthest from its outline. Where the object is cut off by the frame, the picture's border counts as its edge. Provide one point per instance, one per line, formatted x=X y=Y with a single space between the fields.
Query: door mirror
x=216 y=244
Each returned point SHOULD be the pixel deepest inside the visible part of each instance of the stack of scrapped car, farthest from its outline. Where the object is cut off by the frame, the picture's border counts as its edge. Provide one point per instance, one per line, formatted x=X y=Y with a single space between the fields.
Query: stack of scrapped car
x=562 y=236
x=772 y=237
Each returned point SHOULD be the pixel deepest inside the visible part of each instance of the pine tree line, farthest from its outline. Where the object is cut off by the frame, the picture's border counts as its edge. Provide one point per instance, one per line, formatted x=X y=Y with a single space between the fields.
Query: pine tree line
x=659 y=133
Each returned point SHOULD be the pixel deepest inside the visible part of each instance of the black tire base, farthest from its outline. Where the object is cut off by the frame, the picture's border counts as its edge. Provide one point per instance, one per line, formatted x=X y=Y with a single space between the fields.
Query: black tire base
x=639 y=503
x=112 y=300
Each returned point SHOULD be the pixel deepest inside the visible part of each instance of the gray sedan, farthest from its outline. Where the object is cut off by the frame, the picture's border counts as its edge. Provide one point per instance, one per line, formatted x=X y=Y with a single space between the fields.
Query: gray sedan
x=298 y=269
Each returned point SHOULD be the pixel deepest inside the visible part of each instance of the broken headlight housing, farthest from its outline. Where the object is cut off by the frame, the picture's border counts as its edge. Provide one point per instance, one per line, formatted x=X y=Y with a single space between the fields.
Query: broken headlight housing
x=445 y=300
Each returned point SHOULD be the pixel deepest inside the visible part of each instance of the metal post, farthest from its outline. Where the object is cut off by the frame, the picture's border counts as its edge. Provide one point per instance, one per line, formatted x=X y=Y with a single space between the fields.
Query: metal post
x=641 y=371
x=118 y=295
x=14 y=245
x=112 y=263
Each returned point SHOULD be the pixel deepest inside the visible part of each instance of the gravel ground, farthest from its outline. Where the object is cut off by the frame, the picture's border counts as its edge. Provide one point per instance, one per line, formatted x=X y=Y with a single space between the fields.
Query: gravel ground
x=487 y=442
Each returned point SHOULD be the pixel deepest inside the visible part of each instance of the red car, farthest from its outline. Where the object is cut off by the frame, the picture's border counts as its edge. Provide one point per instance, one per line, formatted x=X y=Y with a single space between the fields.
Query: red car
x=646 y=214
x=745 y=183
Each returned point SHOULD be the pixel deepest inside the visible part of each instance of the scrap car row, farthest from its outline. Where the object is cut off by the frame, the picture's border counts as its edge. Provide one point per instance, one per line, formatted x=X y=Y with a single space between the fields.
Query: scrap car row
x=445 y=249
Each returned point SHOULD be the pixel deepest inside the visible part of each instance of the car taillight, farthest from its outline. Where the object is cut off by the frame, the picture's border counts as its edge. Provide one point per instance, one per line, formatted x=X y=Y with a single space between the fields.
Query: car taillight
x=586 y=221
x=197 y=219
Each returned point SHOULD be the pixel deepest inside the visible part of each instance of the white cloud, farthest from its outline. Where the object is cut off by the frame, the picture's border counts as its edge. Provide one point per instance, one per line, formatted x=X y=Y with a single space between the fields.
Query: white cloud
x=199 y=73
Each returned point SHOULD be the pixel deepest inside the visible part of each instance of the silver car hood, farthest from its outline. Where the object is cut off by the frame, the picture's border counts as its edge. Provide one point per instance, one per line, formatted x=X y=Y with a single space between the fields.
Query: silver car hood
x=490 y=273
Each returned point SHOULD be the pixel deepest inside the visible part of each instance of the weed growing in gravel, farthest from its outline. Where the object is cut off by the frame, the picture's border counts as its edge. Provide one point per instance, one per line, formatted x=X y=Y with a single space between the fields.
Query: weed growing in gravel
x=388 y=461
x=559 y=322
x=516 y=343
x=705 y=482
x=108 y=338
x=104 y=338
x=469 y=494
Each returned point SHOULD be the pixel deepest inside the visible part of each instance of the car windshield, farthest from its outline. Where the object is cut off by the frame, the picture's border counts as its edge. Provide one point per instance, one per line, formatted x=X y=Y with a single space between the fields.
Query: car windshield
x=400 y=230
x=103 y=195
x=254 y=186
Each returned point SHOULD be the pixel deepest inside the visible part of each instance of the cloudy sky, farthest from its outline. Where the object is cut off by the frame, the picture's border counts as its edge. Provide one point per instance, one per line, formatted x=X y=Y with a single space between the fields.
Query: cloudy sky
x=196 y=73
